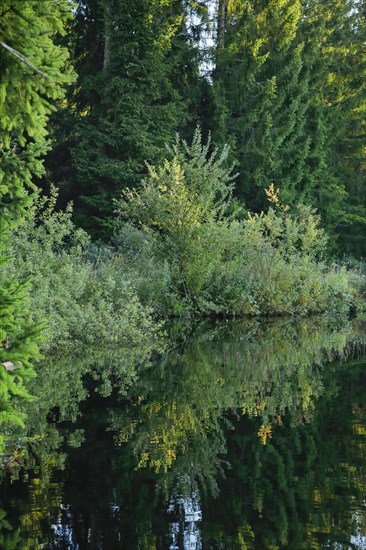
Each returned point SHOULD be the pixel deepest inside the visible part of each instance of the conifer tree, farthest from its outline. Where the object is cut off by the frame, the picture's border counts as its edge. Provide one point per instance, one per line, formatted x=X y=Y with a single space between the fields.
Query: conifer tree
x=335 y=34
x=135 y=72
x=32 y=73
x=260 y=91
x=289 y=94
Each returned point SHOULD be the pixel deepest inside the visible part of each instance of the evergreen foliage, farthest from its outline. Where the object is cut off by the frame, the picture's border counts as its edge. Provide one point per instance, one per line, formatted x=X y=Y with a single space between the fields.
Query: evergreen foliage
x=261 y=92
x=134 y=91
x=286 y=92
x=289 y=93
x=335 y=36
x=33 y=72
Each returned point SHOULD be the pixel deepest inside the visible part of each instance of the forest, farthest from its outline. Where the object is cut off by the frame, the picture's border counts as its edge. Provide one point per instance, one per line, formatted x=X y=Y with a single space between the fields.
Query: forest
x=169 y=159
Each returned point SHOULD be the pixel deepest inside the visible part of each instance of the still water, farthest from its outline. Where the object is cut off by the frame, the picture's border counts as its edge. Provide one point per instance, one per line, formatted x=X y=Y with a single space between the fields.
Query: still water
x=239 y=435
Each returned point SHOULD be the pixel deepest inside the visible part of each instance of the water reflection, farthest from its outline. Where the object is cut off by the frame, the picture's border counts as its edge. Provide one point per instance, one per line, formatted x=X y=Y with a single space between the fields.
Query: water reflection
x=185 y=532
x=307 y=488
x=242 y=436
x=176 y=411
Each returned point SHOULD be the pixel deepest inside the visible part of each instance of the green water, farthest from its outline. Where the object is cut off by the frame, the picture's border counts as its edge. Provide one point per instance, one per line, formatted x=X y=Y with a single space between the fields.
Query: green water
x=239 y=436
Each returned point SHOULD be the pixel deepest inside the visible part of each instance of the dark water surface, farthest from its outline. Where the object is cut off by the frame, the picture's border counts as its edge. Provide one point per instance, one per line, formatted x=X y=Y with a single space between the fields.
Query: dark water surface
x=242 y=436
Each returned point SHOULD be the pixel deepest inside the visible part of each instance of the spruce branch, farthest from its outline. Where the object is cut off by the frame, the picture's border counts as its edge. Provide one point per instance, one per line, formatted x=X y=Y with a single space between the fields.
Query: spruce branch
x=23 y=59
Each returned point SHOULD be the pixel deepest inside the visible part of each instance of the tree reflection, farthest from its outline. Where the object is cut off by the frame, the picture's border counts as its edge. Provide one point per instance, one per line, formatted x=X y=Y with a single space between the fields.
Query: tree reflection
x=183 y=402
x=306 y=489
x=255 y=425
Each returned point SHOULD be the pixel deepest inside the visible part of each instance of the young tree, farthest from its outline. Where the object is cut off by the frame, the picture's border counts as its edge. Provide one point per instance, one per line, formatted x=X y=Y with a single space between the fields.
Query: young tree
x=33 y=71
x=182 y=205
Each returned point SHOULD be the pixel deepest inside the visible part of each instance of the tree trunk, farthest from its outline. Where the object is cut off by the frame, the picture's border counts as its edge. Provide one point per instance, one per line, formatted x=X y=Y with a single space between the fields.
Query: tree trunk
x=107 y=35
x=221 y=22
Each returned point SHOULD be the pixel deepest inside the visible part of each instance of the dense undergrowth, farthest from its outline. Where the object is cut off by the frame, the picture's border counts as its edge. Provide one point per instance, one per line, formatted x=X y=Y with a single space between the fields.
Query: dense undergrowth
x=81 y=293
x=181 y=247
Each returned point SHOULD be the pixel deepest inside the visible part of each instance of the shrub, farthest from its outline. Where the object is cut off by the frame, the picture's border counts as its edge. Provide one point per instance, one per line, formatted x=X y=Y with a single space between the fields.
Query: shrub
x=192 y=255
x=79 y=290
x=180 y=208
x=284 y=258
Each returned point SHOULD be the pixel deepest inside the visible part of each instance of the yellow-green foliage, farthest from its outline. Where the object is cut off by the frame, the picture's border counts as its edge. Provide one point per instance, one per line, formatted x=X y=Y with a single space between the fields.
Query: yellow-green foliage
x=271 y=263
x=33 y=73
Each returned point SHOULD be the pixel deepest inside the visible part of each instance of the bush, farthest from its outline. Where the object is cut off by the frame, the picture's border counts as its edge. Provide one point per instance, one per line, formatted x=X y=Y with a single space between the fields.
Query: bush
x=284 y=260
x=79 y=290
x=191 y=255
x=180 y=210
x=177 y=250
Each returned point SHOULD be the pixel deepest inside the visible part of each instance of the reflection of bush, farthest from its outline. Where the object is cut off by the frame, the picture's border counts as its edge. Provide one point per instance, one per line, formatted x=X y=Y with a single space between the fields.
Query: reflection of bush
x=267 y=373
x=191 y=403
x=174 y=407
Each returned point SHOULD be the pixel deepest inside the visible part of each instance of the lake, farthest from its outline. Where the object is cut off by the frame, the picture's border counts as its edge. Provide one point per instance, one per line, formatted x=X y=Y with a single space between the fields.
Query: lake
x=239 y=435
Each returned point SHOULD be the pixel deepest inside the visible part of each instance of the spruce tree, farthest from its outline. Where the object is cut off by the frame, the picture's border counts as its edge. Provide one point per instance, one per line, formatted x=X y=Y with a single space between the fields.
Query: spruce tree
x=134 y=91
x=335 y=33
x=33 y=70
x=260 y=90
x=289 y=95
